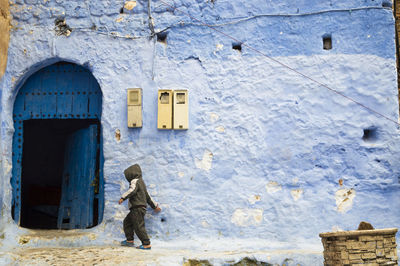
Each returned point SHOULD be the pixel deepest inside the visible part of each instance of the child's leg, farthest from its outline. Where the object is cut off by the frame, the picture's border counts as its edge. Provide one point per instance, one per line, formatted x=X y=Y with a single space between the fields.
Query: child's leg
x=139 y=227
x=128 y=226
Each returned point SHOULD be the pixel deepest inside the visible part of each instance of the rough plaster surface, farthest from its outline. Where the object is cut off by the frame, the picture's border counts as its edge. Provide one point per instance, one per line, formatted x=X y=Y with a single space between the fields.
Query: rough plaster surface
x=256 y=128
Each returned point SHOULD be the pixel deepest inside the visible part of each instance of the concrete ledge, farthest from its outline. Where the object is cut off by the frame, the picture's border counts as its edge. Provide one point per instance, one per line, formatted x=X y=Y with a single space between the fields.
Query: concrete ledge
x=386 y=231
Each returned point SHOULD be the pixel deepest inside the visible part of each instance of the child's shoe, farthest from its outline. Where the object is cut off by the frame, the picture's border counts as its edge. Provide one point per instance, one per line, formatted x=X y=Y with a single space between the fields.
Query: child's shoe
x=127 y=244
x=142 y=247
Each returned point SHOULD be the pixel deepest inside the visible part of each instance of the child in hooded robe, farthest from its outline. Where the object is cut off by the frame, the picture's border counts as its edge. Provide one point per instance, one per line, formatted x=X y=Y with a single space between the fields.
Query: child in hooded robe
x=138 y=200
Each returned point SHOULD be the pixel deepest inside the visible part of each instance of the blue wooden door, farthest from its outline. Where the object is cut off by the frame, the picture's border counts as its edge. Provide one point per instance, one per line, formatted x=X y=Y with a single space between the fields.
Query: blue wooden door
x=78 y=183
x=59 y=91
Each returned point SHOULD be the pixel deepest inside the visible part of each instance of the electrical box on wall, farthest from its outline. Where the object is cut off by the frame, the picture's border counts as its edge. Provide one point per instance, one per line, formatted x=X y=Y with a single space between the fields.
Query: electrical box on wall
x=181 y=109
x=134 y=107
x=164 y=119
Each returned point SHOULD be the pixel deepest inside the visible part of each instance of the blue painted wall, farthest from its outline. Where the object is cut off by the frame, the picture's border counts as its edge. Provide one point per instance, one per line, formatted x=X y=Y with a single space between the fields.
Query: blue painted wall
x=266 y=148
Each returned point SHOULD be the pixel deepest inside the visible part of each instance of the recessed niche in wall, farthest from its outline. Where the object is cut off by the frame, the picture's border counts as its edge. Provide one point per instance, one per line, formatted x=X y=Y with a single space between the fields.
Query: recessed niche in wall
x=370 y=134
x=237 y=46
x=162 y=37
x=327 y=42
x=387 y=3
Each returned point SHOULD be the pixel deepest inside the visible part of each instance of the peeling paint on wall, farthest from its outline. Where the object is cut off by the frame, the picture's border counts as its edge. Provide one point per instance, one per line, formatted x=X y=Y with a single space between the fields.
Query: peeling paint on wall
x=220 y=129
x=129 y=5
x=344 y=199
x=219 y=47
x=296 y=194
x=119 y=19
x=118 y=135
x=336 y=228
x=253 y=199
x=7 y=167
x=205 y=224
x=214 y=117
x=247 y=217
x=273 y=187
x=206 y=162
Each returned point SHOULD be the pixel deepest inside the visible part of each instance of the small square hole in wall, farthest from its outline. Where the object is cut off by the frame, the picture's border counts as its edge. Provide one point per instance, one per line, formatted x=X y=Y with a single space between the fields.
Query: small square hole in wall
x=237 y=46
x=327 y=42
x=370 y=134
x=387 y=3
x=162 y=37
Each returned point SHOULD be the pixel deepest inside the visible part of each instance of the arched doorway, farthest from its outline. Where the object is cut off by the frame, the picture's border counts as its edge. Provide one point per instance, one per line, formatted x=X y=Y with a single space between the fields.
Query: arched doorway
x=57 y=176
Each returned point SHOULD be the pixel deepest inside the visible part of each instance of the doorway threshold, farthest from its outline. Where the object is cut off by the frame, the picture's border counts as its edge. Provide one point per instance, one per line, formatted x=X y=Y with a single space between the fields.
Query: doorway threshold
x=40 y=237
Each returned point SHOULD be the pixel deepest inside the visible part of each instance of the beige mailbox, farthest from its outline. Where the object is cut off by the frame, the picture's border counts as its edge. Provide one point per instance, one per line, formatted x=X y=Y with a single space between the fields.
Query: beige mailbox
x=135 y=107
x=181 y=109
x=164 y=119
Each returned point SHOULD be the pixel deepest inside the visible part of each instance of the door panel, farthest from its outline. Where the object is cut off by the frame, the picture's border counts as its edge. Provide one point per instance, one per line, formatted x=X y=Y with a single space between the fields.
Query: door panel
x=76 y=206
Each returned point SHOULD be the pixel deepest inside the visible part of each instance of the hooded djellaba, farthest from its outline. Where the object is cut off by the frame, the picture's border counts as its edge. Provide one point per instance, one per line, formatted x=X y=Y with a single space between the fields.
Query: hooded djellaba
x=137 y=192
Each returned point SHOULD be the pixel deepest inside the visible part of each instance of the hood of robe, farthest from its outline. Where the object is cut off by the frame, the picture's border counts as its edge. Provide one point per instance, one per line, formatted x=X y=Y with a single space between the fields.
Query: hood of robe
x=133 y=172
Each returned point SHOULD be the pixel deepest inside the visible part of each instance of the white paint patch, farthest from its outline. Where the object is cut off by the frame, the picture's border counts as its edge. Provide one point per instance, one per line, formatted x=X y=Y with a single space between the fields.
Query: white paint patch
x=7 y=167
x=206 y=162
x=120 y=215
x=214 y=117
x=247 y=217
x=296 y=194
x=253 y=199
x=344 y=199
x=220 y=129
x=336 y=228
x=205 y=224
x=130 y=5
x=181 y=174
x=273 y=187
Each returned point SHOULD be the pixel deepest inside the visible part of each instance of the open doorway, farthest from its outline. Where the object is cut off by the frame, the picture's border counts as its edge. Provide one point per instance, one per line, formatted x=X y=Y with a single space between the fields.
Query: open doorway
x=43 y=170
x=57 y=178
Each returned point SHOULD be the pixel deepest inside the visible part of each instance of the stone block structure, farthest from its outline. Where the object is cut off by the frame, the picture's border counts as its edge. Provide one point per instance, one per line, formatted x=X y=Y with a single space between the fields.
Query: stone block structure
x=360 y=247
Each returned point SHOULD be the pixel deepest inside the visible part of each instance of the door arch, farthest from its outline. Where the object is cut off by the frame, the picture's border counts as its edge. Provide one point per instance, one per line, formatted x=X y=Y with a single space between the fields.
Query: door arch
x=57 y=177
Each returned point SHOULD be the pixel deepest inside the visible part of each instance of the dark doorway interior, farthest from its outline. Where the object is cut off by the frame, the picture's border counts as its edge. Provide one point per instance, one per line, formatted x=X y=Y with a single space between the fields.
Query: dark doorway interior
x=44 y=144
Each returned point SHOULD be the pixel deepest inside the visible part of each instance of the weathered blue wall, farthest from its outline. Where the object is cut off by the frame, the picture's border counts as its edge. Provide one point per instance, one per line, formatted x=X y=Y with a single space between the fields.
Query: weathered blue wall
x=266 y=147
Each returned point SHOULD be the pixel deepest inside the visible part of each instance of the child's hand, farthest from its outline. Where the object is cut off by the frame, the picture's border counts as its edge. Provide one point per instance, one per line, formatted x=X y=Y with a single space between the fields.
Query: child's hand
x=157 y=209
x=120 y=201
